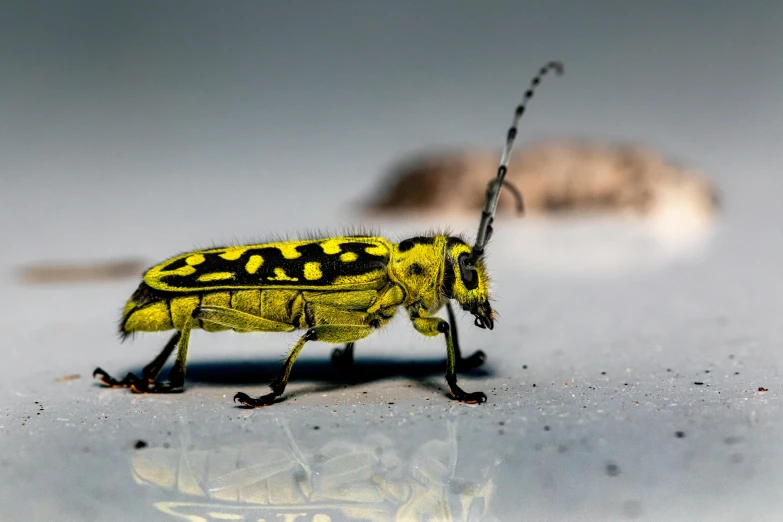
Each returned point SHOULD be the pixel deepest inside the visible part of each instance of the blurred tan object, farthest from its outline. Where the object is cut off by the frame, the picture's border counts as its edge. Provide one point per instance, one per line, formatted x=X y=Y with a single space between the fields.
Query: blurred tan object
x=80 y=272
x=555 y=178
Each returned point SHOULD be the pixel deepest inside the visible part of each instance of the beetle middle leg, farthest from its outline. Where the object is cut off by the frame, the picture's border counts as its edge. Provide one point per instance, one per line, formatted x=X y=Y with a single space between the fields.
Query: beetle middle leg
x=343 y=357
x=327 y=333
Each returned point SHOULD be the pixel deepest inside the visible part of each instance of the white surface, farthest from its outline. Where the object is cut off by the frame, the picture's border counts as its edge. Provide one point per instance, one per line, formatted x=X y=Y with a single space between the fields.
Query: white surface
x=613 y=299
x=132 y=130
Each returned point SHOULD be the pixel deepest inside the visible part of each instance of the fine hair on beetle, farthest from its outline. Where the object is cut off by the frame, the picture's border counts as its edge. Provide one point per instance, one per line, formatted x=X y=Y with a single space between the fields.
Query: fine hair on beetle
x=338 y=289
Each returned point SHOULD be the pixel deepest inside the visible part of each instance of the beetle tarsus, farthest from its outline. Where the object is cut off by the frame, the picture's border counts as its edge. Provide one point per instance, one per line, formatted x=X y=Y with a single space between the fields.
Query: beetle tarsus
x=136 y=384
x=463 y=396
x=469 y=398
x=111 y=382
x=250 y=402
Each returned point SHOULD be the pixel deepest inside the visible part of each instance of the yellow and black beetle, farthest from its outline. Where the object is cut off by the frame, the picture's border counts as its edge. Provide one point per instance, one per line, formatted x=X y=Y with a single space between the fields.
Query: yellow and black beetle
x=338 y=289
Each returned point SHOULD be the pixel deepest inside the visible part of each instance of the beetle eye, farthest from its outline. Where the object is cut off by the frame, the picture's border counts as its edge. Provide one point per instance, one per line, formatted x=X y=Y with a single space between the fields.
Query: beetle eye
x=467 y=273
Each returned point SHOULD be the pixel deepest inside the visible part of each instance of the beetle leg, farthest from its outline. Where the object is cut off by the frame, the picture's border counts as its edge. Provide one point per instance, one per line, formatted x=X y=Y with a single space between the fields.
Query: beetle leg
x=176 y=381
x=431 y=326
x=327 y=333
x=213 y=314
x=279 y=384
x=343 y=357
x=148 y=374
x=463 y=363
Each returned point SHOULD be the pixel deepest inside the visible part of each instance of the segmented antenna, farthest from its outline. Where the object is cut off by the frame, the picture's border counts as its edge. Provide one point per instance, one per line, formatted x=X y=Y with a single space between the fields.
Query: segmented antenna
x=493 y=189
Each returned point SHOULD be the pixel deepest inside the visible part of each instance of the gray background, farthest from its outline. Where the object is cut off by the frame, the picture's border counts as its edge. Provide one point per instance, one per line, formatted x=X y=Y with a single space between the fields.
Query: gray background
x=148 y=128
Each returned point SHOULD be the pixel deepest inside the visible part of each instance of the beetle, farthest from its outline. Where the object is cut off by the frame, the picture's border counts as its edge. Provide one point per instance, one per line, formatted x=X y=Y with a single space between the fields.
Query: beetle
x=337 y=289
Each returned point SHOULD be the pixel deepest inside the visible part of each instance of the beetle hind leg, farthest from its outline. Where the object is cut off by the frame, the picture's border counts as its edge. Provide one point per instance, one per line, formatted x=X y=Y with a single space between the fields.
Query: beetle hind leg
x=148 y=374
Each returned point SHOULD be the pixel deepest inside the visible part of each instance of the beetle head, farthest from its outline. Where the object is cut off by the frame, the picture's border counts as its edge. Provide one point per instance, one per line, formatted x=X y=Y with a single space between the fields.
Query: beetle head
x=466 y=281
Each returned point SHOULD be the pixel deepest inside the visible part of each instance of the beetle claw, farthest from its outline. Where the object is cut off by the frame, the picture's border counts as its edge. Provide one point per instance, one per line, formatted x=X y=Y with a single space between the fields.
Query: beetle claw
x=247 y=400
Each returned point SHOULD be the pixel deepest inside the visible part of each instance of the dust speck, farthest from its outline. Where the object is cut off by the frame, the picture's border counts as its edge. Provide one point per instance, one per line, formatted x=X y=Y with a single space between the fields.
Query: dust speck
x=66 y=378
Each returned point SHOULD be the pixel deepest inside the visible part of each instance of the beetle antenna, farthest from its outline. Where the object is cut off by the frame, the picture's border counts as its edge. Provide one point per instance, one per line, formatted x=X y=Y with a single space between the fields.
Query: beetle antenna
x=493 y=189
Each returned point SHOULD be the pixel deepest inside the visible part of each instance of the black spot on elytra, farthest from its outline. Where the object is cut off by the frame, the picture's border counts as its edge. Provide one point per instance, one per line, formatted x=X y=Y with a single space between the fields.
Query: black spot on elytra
x=177 y=263
x=408 y=244
x=331 y=266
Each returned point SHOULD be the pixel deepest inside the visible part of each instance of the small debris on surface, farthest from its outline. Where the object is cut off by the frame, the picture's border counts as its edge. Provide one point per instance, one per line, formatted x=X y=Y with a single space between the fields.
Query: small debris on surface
x=316 y=427
x=612 y=470
x=140 y=444
x=79 y=272
x=679 y=434
x=697 y=383
x=762 y=389
x=66 y=378
x=546 y=428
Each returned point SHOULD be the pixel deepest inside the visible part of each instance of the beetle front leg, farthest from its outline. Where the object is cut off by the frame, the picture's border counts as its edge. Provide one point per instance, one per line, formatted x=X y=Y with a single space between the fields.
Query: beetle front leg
x=463 y=363
x=431 y=326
